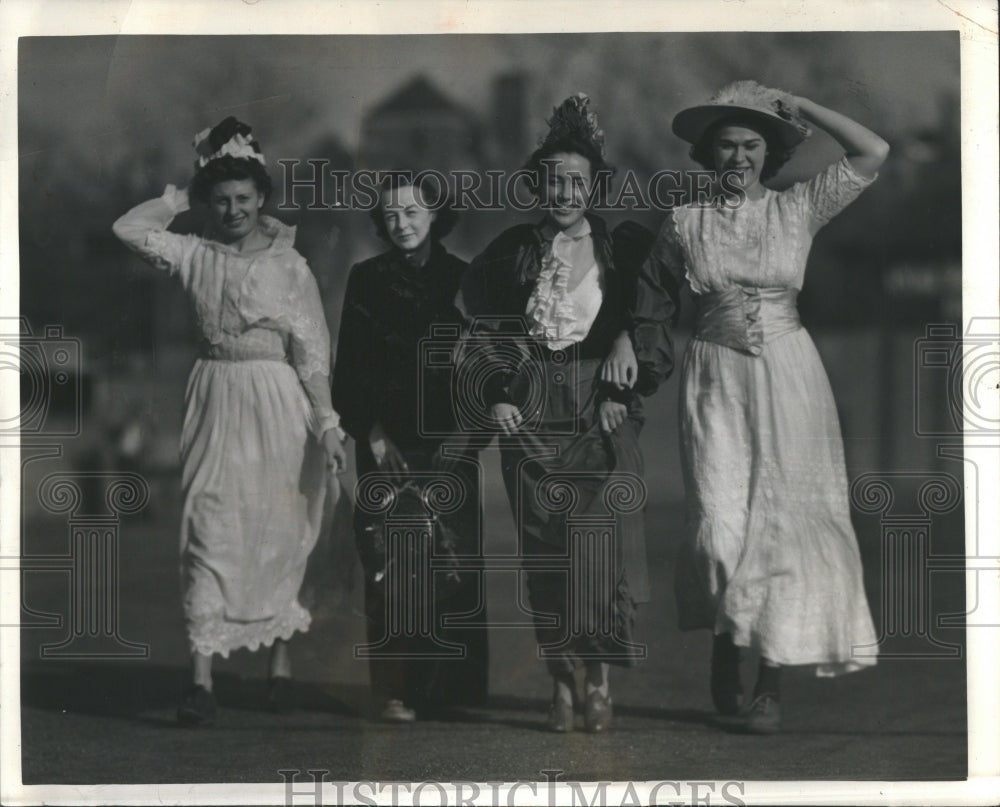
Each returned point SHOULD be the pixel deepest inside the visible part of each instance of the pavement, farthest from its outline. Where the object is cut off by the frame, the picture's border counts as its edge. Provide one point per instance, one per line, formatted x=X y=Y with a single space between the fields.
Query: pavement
x=108 y=721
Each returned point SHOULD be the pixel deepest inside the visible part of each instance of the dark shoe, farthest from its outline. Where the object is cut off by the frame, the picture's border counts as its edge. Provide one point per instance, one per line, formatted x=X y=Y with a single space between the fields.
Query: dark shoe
x=562 y=708
x=763 y=715
x=727 y=689
x=281 y=694
x=395 y=711
x=197 y=707
x=597 y=711
x=561 y=716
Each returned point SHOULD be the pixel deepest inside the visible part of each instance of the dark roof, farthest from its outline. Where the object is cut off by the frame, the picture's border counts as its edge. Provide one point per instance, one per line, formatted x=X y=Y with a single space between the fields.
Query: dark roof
x=417 y=95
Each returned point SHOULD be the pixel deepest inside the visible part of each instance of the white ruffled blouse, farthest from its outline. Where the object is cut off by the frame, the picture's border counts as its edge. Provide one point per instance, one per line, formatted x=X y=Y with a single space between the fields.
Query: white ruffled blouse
x=558 y=315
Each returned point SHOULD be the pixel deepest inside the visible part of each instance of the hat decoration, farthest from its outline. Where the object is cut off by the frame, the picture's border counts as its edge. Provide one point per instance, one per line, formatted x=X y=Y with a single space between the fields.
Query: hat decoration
x=574 y=117
x=775 y=107
x=231 y=138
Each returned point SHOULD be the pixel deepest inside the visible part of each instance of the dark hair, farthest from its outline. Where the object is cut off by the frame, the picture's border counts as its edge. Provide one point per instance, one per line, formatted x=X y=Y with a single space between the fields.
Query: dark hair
x=434 y=193
x=223 y=169
x=600 y=170
x=777 y=155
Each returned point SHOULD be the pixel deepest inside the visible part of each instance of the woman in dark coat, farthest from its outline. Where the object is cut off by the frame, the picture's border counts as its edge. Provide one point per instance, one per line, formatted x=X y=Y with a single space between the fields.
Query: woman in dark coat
x=548 y=309
x=398 y=410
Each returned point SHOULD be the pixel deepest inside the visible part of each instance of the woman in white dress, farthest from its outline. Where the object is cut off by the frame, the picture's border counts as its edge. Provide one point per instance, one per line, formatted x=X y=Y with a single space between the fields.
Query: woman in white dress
x=771 y=561
x=259 y=430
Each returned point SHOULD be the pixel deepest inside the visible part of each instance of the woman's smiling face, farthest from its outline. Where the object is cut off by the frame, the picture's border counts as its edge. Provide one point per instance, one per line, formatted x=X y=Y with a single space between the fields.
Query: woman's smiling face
x=740 y=148
x=234 y=207
x=568 y=188
x=407 y=217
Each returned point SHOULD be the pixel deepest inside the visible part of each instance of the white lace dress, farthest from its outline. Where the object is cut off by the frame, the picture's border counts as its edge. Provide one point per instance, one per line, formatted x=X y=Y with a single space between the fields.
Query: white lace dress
x=256 y=401
x=771 y=554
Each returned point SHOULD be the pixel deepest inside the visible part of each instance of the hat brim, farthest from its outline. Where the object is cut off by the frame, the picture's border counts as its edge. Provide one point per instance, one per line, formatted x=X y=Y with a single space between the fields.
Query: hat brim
x=691 y=124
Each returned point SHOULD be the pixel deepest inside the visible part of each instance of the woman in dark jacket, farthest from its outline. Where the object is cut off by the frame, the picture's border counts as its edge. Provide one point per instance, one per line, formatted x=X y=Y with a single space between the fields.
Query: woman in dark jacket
x=549 y=326
x=397 y=407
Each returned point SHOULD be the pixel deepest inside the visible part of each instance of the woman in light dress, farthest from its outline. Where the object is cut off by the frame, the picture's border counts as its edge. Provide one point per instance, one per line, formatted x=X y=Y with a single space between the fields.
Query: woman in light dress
x=771 y=561
x=259 y=433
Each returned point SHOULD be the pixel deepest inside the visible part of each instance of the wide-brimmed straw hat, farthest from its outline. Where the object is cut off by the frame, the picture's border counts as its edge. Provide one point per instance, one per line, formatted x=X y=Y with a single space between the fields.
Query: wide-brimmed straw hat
x=744 y=99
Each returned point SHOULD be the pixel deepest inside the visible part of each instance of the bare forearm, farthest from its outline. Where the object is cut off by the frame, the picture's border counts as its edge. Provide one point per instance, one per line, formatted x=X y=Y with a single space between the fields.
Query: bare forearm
x=865 y=149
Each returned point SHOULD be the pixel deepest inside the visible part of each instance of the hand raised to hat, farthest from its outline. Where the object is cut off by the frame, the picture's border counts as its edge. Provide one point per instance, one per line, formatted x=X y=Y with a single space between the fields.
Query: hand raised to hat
x=866 y=151
x=787 y=106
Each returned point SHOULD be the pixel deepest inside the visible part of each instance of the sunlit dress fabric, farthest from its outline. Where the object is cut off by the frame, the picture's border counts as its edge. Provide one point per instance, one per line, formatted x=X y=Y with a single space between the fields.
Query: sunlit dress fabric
x=253 y=471
x=771 y=554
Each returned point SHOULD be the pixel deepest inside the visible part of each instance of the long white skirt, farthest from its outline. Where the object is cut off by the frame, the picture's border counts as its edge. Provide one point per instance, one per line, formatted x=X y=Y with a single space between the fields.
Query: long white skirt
x=771 y=555
x=254 y=484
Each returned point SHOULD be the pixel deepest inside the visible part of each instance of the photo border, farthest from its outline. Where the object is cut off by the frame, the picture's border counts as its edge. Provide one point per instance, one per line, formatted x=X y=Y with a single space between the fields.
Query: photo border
x=975 y=20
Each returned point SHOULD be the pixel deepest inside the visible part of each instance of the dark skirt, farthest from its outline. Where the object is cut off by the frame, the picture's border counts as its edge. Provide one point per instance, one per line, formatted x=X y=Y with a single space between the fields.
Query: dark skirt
x=577 y=498
x=419 y=538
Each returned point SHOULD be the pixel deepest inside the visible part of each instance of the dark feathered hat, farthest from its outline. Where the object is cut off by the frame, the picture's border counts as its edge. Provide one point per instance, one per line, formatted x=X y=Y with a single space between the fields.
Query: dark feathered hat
x=574 y=117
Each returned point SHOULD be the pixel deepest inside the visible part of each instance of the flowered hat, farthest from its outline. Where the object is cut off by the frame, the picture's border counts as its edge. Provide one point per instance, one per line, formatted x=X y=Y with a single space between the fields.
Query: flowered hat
x=231 y=138
x=574 y=117
x=774 y=108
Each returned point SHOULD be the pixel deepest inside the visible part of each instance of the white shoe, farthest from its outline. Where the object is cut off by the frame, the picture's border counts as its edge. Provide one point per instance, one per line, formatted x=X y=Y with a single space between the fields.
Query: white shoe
x=395 y=711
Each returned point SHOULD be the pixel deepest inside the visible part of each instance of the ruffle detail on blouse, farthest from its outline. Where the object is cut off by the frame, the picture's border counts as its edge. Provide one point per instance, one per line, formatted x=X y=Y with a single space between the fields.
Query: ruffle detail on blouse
x=549 y=308
x=557 y=315
x=216 y=634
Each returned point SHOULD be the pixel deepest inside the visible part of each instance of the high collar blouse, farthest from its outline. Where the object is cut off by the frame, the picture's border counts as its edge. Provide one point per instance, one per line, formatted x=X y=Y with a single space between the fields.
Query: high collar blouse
x=558 y=314
x=762 y=243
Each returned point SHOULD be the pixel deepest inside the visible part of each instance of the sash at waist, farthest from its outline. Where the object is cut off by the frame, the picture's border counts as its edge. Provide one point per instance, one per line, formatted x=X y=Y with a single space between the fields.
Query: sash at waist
x=238 y=353
x=253 y=344
x=746 y=318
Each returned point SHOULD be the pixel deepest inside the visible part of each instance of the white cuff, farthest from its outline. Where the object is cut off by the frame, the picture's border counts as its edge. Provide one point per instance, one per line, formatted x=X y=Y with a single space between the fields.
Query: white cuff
x=329 y=420
x=176 y=199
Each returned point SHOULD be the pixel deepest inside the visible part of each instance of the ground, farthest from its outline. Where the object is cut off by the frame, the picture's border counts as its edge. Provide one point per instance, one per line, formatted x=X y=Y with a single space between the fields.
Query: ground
x=112 y=721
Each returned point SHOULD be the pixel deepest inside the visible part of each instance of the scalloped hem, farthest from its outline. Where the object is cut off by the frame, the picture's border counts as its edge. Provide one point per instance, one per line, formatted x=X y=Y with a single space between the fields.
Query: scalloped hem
x=218 y=635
